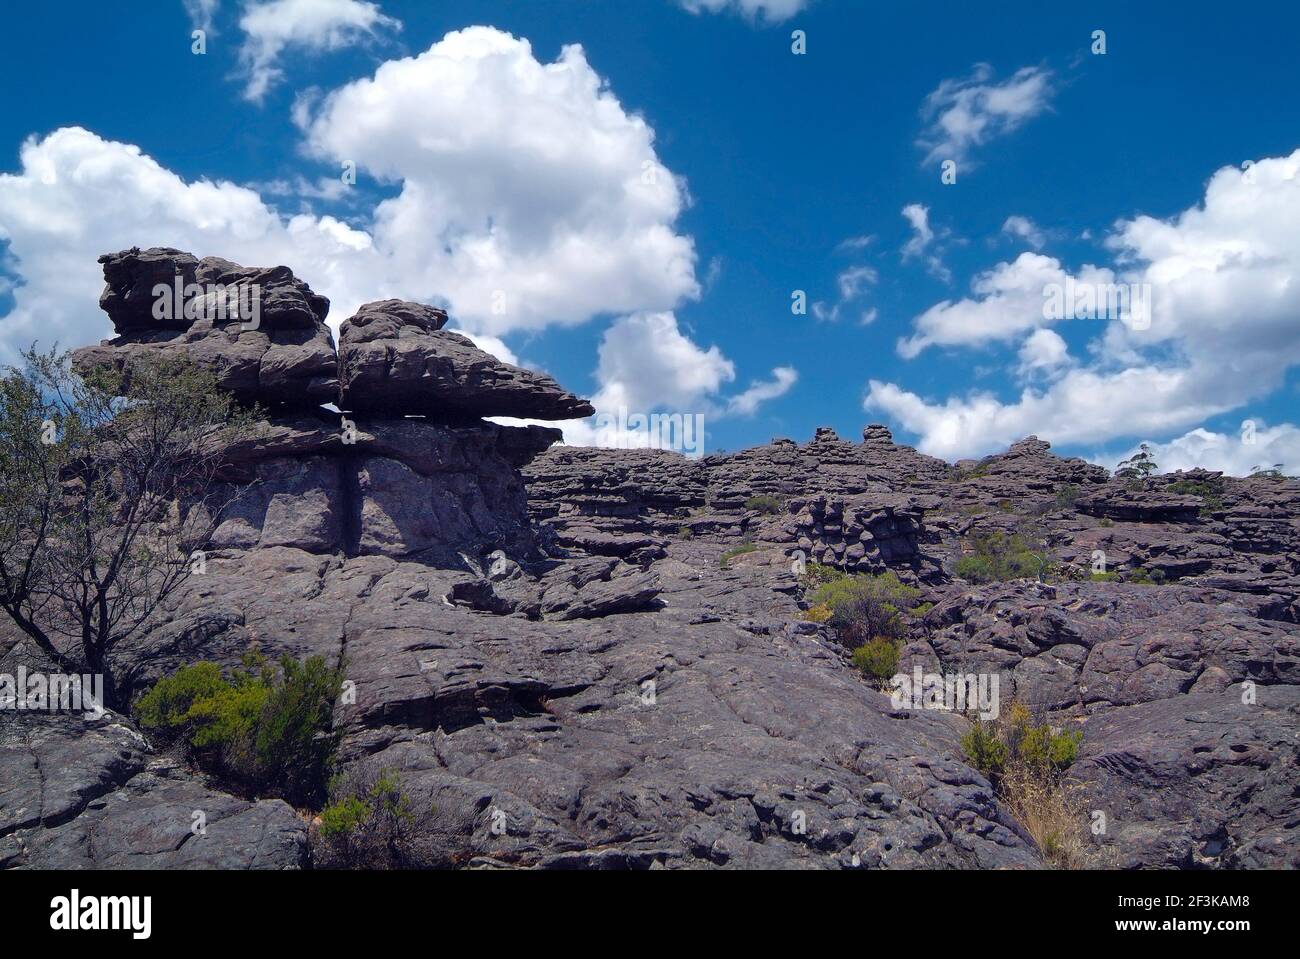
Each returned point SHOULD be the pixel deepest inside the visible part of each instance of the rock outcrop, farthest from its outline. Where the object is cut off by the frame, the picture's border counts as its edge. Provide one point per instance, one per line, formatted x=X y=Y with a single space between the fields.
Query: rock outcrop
x=396 y=358
x=583 y=658
x=262 y=332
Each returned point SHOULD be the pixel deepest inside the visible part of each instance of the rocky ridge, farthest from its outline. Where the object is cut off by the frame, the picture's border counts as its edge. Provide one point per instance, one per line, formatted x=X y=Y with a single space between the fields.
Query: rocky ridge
x=548 y=637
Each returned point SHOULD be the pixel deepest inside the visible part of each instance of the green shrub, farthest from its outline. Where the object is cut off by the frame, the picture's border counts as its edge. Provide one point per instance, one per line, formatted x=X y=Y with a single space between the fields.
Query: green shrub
x=266 y=731
x=878 y=657
x=1143 y=577
x=1026 y=761
x=1067 y=495
x=866 y=607
x=1015 y=743
x=1108 y=577
x=984 y=750
x=1106 y=522
x=764 y=503
x=343 y=818
x=820 y=613
x=1044 y=750
x=735 y=551
x=369 y=823
x=292 y=741
x=816 y=575
x=1210 y=493
x=975 y=472
x=168 y=704
x=997 y=557
x=976 y=569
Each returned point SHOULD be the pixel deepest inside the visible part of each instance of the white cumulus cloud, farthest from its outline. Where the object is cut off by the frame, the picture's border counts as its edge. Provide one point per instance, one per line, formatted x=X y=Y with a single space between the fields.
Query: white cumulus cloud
x=272 y=27
x=1235 y=454
x=520 y=178
x=1224 y=289
x=966 y=113
x=77 y=195
x=528 y=194
x=1025 y=229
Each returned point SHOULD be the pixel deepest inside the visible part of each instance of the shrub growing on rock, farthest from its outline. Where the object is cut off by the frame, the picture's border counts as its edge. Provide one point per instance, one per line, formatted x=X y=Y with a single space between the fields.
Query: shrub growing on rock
x=867 y=607
x=997 y=557
x=1142 y=577
x=820 y=613
x=983 y=749
x=735 y=551
x=1210 y=493
x=878 y=658
x=816 y=575
x=1067 y=495
x=369 y=823
x=266 y=731
x=763 y=503
x=1026 y=761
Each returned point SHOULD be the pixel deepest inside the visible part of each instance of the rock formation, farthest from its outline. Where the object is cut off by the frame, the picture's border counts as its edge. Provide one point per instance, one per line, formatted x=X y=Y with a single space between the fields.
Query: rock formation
x=548 y=639
x=396 y=358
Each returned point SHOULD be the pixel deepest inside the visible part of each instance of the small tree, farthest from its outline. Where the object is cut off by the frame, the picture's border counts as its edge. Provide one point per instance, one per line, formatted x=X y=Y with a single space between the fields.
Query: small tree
x=1138 y=466
x=108 y=483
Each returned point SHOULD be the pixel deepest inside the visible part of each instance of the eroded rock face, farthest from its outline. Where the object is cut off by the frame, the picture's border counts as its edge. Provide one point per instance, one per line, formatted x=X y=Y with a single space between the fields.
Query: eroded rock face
x=583 y=658
x=270 y=346
x=396 y=358
x=1205 y=780
x=390 y=487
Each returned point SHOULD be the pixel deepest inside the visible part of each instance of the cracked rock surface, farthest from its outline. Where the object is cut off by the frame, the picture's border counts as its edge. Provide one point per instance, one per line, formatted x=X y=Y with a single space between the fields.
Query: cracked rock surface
x=551 y=650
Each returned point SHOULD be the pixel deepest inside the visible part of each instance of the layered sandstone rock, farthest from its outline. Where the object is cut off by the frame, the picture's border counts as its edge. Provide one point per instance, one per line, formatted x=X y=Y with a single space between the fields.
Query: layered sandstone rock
x=584 y=668
x=395 y=358
x=262 y=332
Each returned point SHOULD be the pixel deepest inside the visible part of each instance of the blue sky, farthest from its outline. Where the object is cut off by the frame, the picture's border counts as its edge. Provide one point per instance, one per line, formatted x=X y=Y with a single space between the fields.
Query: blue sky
x=644 y=208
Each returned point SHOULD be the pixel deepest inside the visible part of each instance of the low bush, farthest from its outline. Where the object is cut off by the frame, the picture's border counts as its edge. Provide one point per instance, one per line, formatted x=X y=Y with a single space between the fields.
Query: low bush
x=878 y=658
x=1210 y=493
x=821 y=613
x=1144 y=577
x=996 y=557
x=816 y=575
x=1067 y=495
x=735 y=551
x=866 y=607
x=264 y=730
x=983 y=749
x=369 y=823
x=1026 y=762
x=764 y=503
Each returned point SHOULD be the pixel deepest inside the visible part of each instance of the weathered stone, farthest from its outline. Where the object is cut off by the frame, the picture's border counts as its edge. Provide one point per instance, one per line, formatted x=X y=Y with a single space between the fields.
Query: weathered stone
x=395 y=358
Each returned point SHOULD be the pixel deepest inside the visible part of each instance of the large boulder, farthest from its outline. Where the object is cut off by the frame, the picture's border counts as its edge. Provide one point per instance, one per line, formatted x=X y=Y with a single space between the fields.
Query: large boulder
x=140 y=292
x=395 y=358
x=261 y=331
